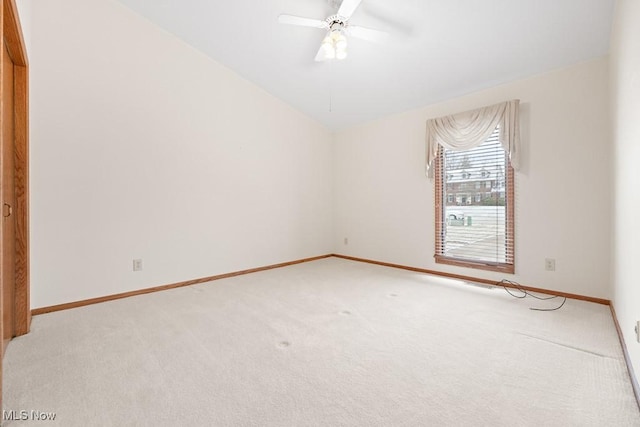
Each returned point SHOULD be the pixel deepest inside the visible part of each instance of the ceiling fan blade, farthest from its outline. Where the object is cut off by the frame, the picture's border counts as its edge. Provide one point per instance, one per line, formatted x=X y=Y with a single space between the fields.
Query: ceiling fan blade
x=305 y=22
x=367 y=33
x=348 y=7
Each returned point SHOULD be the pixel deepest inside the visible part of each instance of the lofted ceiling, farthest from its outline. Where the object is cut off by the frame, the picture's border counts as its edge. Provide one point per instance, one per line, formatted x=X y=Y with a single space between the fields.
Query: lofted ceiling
x=437 y=49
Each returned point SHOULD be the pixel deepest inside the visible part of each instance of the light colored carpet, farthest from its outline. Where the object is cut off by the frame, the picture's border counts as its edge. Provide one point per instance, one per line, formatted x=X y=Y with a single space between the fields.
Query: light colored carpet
x=326 y=343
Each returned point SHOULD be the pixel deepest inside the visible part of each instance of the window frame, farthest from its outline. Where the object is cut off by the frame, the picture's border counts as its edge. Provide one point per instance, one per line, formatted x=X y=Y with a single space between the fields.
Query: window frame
x=440 y=206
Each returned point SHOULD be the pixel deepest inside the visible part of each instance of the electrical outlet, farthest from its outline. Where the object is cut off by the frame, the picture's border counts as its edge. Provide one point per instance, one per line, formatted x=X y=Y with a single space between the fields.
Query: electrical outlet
x=638 y=331
x=550 y=264
x=137 y=265
x=346 y=240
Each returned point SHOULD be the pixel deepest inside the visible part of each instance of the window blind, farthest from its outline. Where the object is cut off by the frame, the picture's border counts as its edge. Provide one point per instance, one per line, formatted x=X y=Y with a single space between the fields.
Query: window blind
x=474 y=206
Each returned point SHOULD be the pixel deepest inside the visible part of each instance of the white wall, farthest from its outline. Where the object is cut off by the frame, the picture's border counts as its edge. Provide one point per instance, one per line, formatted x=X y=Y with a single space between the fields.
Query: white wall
x=625 y=108
x=24 y=15
x=384 y=203
x=142 y=147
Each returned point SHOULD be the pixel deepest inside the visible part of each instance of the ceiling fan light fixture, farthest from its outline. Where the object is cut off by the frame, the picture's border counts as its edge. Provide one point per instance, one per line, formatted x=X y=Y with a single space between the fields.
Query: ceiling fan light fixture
x=341 y=42
x=328 y=48
x=334 y=45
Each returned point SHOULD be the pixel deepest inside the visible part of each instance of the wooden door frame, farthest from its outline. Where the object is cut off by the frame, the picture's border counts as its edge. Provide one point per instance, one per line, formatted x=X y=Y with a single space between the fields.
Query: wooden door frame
x=12 y=33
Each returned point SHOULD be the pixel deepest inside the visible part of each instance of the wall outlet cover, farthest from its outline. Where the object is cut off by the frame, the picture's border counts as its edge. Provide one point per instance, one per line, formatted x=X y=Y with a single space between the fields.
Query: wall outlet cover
x=550 y=264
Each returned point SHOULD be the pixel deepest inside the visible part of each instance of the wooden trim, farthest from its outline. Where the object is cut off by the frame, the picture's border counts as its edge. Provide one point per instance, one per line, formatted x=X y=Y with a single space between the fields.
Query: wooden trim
x=627 y=358
x=65 y=306
x=477 y=280
x=22 y=299
x=75 y=304
x=2 y=96
x=12 y=32
x=503 y=268
x=14 y=40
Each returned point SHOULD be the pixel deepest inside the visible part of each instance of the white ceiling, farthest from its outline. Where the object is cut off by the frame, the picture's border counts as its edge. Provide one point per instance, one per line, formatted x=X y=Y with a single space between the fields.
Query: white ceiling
x=439 y=49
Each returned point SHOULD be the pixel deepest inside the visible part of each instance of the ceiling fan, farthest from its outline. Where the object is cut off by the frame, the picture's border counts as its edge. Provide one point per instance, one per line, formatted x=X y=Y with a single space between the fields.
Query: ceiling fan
x=334 y=45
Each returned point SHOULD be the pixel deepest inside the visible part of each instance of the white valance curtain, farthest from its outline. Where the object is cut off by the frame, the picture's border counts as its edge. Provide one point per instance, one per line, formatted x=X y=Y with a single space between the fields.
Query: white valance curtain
x=467 y=130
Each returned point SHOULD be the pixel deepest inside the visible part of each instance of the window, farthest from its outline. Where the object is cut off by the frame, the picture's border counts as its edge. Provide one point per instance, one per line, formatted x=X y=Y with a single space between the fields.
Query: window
x=485 y=240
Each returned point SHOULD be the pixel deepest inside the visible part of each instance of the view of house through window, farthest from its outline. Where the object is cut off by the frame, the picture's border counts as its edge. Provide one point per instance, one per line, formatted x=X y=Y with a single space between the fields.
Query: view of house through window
x=475 y=207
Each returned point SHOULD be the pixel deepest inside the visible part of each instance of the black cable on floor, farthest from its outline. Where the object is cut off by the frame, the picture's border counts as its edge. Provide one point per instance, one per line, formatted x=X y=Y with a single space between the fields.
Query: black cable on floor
x=525 y=293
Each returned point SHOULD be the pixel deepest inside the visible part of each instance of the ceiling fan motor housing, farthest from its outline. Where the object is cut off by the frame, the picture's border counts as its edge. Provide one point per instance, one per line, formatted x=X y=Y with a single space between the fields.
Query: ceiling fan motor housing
x=336 y=22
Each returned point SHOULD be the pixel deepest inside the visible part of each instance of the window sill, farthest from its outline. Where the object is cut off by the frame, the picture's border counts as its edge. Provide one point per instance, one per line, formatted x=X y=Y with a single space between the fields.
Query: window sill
x=479 y=265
